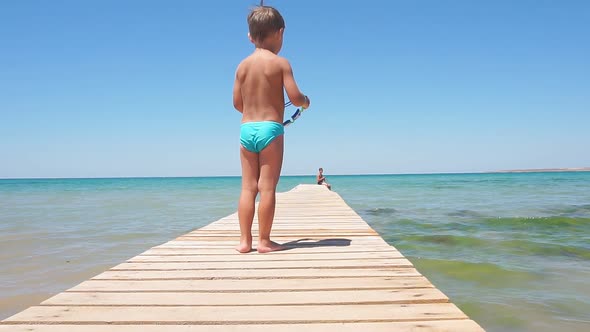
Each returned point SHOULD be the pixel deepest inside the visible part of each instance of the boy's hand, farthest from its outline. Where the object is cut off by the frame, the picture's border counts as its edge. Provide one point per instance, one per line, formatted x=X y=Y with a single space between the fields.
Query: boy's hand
x=306 y=103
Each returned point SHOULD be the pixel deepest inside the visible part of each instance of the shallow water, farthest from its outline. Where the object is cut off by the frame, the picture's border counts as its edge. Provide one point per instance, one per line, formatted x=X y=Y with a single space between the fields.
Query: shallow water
x=511 y=250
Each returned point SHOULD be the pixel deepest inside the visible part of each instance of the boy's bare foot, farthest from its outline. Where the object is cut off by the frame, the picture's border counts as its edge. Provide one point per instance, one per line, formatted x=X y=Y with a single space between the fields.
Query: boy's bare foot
x=245 y=246
x=268 y=246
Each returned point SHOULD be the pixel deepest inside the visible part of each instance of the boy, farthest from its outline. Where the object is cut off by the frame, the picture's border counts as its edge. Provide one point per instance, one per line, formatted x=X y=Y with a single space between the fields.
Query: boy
x=258 y=95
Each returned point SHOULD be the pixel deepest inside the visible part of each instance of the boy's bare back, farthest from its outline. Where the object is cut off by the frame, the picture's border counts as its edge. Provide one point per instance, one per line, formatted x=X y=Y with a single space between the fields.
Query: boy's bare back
x=259 y=84
x=260 y=77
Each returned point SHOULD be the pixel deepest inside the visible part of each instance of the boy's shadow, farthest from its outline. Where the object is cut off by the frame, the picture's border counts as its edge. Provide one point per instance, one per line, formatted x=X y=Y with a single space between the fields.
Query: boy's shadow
x=309 y=243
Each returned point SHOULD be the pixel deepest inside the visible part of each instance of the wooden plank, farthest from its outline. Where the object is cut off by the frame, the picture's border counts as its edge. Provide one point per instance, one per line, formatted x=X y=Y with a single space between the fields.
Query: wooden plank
x=461 y=325
x=294 y=242
x=249 y=258
x=252 y=285
x=256 y=274
x=286 y=230
x=165 y=249
x=242 y=314
x=280 y=234
x=419 y=295
x=281 y=264
x=341 y=244
x=361 y=239
x=297 y=222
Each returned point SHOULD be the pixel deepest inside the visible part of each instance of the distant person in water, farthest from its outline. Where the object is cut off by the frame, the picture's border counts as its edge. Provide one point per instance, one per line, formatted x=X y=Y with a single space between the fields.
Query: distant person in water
x=321 y=179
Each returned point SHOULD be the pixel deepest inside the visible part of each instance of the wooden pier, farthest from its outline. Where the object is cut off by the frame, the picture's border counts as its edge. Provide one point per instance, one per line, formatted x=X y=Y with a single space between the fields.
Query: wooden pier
x=337 y=275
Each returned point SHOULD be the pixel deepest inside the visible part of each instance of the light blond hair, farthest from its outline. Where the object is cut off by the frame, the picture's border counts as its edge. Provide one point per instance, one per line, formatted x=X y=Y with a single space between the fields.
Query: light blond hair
x=264 y=20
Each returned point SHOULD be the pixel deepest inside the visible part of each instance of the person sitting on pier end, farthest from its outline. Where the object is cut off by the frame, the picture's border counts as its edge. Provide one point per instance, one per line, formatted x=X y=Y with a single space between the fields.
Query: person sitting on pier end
x=321 y=179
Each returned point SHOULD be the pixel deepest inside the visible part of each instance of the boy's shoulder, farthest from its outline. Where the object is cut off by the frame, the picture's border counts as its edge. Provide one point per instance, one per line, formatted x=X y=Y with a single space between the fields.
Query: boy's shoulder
x=267 y=57
x=249 y=65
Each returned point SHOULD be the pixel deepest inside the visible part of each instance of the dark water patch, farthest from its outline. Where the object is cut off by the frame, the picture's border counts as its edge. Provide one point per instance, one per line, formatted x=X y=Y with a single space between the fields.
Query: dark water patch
x=493 y=316
x=444 y=246
x=514 y=313
x=466 y=226
x=392 y=228
x=521 y=247
x=554 y=223
x=447 y=240
x=570 y=308
x=403 y=227
x=481 y=274
x=380 y=211
x=465 y=214
x=546 y=249
x=442 y=226
x=445 y=186
x=582 y=210
x=401 y=230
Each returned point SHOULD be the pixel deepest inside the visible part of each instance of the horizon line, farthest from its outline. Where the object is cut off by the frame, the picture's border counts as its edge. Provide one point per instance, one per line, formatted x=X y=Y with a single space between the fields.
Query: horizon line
x=531 y=170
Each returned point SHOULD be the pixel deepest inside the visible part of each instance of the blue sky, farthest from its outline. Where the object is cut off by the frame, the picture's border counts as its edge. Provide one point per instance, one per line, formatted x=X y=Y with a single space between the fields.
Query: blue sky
x=143 y=88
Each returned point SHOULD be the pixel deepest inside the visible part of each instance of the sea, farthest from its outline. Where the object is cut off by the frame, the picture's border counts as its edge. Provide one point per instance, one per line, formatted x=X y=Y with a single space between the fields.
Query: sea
x=512 y=250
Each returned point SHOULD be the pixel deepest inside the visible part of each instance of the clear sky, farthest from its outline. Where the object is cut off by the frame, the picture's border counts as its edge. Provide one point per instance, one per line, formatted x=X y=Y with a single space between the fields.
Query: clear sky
x=143 y=88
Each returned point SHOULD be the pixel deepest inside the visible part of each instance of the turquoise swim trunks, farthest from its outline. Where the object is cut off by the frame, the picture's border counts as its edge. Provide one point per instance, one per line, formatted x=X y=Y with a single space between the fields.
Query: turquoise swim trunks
x=255 y=136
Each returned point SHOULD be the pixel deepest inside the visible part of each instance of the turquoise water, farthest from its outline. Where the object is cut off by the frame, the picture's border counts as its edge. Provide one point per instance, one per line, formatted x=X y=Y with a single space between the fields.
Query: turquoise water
x=511 y=250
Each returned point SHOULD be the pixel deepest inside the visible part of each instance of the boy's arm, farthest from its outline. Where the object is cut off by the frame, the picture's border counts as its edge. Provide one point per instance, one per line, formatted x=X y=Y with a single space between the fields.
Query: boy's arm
x=238 y=101
x=295 y=96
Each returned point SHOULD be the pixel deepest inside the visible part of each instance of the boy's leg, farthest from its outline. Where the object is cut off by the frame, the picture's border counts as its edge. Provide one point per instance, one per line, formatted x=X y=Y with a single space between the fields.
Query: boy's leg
x=271 y=161
x=250 y=174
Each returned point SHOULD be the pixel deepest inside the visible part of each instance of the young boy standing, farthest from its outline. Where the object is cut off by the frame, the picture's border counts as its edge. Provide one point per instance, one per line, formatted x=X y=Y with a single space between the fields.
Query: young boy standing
x=258 y=95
